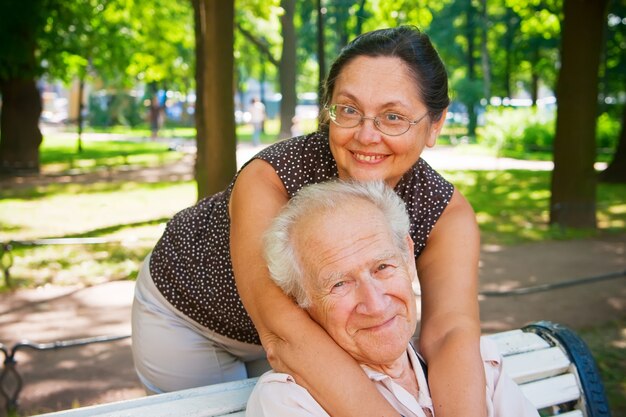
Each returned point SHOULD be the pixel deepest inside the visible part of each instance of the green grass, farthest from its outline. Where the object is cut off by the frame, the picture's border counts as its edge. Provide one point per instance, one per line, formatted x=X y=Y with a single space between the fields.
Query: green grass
x=58 y=154
x=134 y=213
x=512 y=206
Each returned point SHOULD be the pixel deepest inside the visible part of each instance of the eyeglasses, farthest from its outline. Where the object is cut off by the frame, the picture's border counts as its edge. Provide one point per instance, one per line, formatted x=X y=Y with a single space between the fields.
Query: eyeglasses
x=391 y=124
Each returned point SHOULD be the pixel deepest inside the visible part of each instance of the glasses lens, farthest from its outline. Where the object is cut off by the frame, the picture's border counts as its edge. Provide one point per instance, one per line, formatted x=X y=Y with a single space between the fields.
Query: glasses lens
x=388 y=123
x=392 y=124
x=344 y=116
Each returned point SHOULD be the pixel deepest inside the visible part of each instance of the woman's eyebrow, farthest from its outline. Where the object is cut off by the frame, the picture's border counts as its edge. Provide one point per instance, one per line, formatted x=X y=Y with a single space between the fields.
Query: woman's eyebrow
x=391 y=103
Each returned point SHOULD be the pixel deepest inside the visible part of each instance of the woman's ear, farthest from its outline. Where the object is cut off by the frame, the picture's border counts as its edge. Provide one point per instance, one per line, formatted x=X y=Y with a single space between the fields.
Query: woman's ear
x=435 y=129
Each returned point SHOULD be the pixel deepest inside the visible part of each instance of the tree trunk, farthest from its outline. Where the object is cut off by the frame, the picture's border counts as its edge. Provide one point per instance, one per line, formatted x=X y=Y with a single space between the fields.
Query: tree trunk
x=288 y=69
x=470 y=33
x=484 y=51
x=20 y=136
x=616 y=171
x=534 y=77
x=321 y=56
x=216 y=161
x=512 y=21
x=573 y=200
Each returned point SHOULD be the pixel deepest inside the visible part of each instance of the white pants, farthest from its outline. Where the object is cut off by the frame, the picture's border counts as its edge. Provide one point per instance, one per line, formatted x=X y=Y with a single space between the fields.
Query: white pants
x=173 y=352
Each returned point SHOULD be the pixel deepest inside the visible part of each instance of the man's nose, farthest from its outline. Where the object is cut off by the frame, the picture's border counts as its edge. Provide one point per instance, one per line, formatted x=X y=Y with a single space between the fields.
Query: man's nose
x=367 y=133
x=372 y=297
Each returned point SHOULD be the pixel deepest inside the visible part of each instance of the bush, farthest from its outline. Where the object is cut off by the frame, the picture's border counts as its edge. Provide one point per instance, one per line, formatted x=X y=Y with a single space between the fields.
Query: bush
x=517 y=130
x=538 y=136
x=607 y=132
x=532 y=130
x=107 y=110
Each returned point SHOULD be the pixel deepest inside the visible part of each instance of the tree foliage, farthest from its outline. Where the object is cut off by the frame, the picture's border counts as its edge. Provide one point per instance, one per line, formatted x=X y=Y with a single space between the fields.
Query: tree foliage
x=502 y=48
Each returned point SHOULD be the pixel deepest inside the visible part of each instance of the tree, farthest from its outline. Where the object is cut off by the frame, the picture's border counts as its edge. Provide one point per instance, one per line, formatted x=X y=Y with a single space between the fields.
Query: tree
x=215 y=121
x=21 y=23
x=573 y=179
x=287 y=69
x=613 y=84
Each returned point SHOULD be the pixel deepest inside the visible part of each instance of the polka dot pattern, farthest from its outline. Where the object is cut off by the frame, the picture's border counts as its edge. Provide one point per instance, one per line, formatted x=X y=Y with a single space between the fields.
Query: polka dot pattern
x=191 y=263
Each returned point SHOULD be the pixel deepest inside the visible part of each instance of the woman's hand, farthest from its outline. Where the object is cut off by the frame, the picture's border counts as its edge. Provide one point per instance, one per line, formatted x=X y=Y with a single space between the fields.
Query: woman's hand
x=450 y=327
x=295 y=344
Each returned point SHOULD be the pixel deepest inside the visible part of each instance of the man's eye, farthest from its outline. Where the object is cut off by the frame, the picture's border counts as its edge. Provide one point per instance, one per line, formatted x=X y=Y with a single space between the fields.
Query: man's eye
x=382 y=267
x=339 y=284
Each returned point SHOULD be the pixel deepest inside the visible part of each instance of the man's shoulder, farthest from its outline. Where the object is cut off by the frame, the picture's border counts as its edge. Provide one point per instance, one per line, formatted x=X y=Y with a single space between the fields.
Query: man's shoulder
x=276 y=394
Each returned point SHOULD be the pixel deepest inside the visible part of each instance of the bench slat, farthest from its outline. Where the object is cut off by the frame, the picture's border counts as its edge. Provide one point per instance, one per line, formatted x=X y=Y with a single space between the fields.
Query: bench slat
x=208 y=401
x=517 y=341
x=552 y=391
x=575 y=413
x=538 y=364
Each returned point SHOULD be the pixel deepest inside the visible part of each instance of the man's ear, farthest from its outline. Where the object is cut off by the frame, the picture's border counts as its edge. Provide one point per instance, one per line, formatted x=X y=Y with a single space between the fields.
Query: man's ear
x=435 y=129
x=409 y=244
x=411 y=256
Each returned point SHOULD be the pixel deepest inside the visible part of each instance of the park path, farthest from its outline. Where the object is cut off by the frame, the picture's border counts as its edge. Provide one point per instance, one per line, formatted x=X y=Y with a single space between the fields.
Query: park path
x=101 y=373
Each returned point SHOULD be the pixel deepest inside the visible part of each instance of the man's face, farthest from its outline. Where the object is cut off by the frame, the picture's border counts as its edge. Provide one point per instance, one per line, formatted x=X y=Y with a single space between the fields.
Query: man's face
x=359 y=281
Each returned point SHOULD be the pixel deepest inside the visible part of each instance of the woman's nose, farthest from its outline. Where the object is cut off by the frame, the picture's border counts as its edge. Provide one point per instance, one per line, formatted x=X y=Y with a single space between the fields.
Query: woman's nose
x=367 y=133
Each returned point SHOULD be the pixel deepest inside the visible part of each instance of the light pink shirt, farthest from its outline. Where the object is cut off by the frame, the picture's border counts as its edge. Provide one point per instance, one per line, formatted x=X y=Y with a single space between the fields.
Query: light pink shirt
x=278 y=395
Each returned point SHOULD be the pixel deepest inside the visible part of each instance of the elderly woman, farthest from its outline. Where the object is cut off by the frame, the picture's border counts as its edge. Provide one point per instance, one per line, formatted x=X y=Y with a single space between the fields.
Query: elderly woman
x=343 y=252
x=205 y=307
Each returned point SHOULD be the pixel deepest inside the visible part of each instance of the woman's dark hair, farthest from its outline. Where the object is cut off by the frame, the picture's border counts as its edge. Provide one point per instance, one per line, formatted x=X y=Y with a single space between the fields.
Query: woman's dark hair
x=414 y=48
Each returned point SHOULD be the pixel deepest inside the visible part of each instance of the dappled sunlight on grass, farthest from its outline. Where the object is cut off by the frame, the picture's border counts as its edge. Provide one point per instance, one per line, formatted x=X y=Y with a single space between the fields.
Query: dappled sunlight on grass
x=512 y=206
x=76 y=212
x=59 y=154
x=78 y=264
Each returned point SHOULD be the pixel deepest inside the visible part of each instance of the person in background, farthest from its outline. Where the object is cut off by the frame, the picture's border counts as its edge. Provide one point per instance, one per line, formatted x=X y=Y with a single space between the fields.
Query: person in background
x=257 y=119
x=342 y=251
x=206 y=309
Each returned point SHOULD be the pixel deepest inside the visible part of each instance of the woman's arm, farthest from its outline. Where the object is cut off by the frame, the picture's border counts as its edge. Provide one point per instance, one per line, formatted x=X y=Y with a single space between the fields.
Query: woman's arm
x=450 y=327
x=294 y=343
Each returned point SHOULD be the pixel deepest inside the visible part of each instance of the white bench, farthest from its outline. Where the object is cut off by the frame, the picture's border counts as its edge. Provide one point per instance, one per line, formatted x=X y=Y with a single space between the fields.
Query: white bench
x=552 y=365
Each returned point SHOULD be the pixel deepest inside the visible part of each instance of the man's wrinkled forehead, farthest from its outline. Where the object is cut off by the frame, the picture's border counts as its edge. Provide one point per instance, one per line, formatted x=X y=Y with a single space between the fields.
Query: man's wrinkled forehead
x=328 y=234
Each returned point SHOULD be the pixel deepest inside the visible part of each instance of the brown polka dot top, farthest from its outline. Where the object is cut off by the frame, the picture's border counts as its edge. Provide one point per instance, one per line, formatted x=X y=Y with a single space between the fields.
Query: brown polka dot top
x=191 y=263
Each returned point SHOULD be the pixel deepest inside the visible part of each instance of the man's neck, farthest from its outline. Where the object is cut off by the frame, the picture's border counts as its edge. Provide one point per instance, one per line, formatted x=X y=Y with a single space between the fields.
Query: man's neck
x=401 y=372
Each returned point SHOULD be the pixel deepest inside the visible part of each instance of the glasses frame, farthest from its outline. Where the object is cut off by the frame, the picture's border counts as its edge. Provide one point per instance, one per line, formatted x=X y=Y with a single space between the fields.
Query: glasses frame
x=375 y=119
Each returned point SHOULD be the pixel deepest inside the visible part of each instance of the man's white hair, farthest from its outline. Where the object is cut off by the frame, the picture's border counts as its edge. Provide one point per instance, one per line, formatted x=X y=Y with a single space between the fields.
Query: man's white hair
x=324 y=199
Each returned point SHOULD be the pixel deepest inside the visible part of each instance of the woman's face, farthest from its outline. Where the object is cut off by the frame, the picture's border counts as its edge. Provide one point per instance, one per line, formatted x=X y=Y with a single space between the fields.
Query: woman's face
x=373 y=86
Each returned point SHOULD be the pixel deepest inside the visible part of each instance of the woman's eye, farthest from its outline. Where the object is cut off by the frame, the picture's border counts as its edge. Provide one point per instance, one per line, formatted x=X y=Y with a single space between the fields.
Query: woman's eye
x=350 y=110
x=392 y=117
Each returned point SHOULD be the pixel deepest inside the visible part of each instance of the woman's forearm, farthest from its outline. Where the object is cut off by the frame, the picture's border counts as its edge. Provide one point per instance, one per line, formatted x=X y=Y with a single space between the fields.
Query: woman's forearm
x=456 y=377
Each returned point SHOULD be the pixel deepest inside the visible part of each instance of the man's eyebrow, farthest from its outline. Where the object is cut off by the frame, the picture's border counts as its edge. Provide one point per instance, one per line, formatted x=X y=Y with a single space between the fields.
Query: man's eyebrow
x=336 y=276
x=331 y=279
x=385 y=256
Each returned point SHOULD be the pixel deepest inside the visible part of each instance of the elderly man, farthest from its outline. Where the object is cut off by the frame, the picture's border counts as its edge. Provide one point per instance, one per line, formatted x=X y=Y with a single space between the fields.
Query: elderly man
x=343 y=252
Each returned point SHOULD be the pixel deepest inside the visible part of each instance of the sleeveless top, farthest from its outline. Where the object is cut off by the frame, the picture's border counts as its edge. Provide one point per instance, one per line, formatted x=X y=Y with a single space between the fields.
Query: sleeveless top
x=191 y=263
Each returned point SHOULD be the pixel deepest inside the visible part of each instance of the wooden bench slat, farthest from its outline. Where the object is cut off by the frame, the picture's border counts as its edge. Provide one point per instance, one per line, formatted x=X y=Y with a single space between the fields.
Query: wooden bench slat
x=538 y=364
x=552 y=391
x=517 y=341
x=208 y=401
x=575 y=413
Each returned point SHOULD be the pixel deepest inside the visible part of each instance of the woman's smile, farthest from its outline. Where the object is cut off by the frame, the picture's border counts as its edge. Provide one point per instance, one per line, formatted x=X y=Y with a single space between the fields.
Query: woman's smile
x=369 y=157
